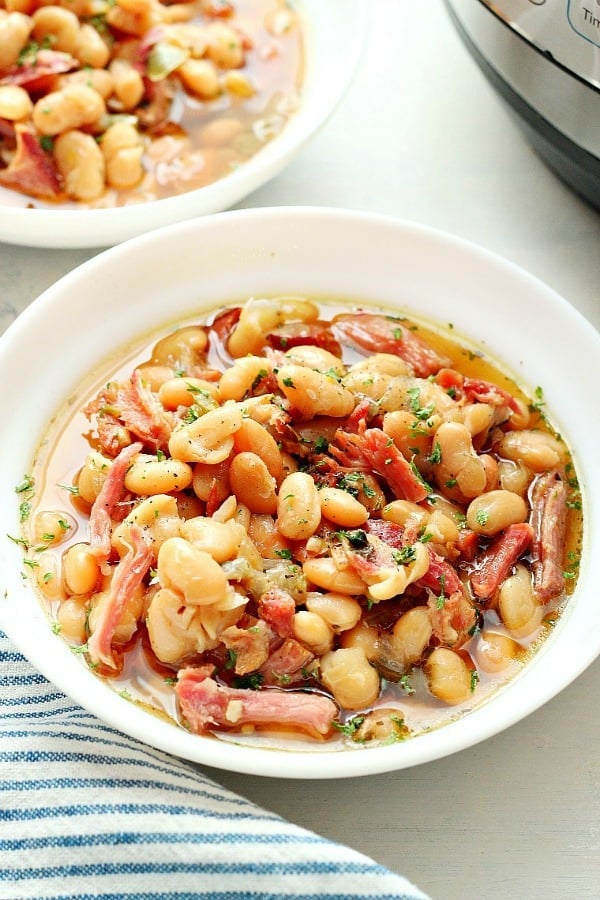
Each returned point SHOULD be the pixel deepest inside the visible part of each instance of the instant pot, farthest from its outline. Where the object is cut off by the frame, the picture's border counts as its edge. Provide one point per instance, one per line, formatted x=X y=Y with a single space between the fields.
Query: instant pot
x=543 y=57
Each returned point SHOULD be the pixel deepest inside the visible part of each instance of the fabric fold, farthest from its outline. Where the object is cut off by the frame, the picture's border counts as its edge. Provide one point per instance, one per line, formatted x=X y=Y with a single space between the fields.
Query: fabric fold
x=87 y=812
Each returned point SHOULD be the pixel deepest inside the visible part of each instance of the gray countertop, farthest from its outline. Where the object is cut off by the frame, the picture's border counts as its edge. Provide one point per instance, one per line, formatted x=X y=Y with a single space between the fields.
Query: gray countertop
x=421 y=136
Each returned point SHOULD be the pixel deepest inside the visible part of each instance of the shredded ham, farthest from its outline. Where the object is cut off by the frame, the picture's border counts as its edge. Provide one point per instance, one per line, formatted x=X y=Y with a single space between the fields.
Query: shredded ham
x=384 y=334
x=499 y=558
x=205 y=704
x=31 y=73
x=294 y=334
x=453 y=618
x=549 y=523
x=477 y=390
x=250 y=646
x=153 y=113
x=142 y=412
x=224 y=323
x=441 y=577
x=130 y=407
x=127 y=577
x=287 y=663
x=102 y=509
x=373 y=450
x=277 y=607
x=31 y=171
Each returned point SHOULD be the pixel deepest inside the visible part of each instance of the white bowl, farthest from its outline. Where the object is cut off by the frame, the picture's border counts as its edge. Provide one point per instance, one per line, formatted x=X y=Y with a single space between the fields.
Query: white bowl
x=335 y=33
x=129 y=290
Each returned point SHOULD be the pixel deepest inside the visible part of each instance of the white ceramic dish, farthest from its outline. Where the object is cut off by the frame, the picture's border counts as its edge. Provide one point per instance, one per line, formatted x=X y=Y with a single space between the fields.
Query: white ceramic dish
x=195 y=265
x=335 y=34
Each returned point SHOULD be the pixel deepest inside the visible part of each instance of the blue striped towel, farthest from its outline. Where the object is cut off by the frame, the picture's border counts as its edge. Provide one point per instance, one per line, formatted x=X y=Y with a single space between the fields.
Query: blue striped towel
x=86 y=812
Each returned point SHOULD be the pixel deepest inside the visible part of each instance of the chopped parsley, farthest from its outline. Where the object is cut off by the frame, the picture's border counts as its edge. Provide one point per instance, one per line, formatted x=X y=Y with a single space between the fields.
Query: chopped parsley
x=350 y=727
x=250 y=682
x=24 y=510
x=441 y=598
x=538 y=404
x=260 y=375
x=420 y=412
x=357 y=537
x=331 y=373
x=406 y=684
x=405 y=555
x=321 y=445
x=70 y=488
x=25 y=486
x=482 y=517
x=419 y=477
x=435 y=456
x=350 y=483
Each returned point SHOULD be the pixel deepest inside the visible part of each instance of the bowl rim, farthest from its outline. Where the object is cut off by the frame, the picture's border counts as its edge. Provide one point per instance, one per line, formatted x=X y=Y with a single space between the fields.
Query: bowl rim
x=335 y=224
x=343 y=24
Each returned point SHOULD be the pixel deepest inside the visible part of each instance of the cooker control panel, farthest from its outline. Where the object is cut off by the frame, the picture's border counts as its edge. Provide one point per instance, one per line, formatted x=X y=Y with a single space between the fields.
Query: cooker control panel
x=567 y=30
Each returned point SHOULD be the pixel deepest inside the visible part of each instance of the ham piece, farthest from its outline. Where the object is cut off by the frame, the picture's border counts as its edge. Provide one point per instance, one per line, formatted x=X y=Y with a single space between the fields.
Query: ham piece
x=31 y=171
x=105 y=502
x=549 y=522
x=45 y=64
x=374 y=451
x=142 y=412
x=295 y=334
x=127 y=577
x=385 y=334
x=250 y=646
x=206 y=704
x=499 y=558
x=277 y=607
x=287 y=664
x=441 y=577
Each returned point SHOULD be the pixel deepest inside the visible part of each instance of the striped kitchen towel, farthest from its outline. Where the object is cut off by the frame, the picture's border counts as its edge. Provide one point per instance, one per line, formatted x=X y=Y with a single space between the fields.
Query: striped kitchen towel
x=86 y=812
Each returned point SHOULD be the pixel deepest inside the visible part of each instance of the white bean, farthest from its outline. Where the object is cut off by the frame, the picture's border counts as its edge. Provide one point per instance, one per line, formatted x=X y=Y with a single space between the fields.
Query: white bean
x=71 y=107
x=191 y=572
x=350 y=677
x=313 y=631
x=517 y=604
x=342 y=508
x=81 y=165
x=339 y=611
x=15 y=102
x=210 y=438
x=494 y=511
x=449 y=677
x=298 y=507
